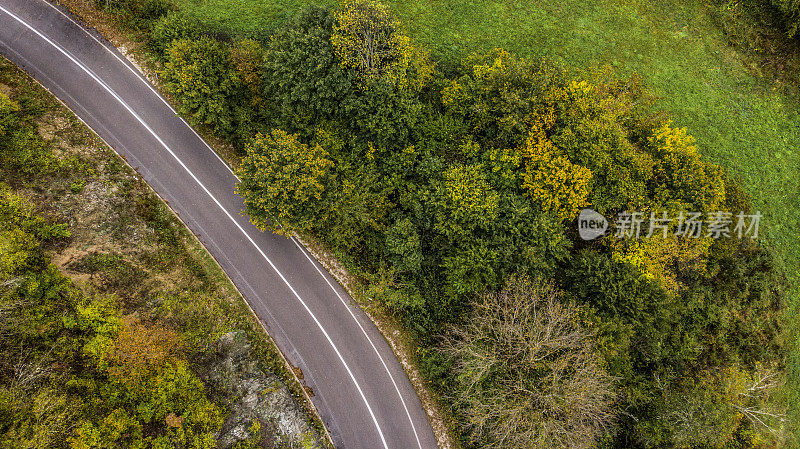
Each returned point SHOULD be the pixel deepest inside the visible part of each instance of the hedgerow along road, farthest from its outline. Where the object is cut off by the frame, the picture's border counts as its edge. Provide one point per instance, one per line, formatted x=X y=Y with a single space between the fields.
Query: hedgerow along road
x=361 y=391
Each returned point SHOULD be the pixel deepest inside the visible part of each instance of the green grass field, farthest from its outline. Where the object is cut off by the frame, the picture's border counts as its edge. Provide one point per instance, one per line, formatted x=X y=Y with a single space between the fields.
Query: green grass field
x=741 y=121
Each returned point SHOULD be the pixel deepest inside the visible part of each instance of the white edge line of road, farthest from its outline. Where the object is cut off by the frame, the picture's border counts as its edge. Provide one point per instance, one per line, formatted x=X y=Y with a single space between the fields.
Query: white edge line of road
x=347 y=306
x=250 y=239
x=127 y=64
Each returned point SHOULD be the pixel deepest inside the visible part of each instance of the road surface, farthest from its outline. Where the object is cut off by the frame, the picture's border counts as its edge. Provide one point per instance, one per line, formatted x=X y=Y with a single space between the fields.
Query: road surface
x=360 y=389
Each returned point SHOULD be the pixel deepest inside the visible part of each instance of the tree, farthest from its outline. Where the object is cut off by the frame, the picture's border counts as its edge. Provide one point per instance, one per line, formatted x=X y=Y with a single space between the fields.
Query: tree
x=357 y=208
x=145 y=385
x=403 y=245
x=577 y=136
x=282 y=182
x=464 y=201
x=368 y=40
x=680 y=176
x=664 y=259
x=247 y=56
x=198 y=73
x=170 y=27
x=715 y=407
x=527 y=373
x=301 y=76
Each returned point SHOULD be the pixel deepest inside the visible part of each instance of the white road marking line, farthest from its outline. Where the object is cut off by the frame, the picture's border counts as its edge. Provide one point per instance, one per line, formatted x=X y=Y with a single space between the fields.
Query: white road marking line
x=127 y=65
x=347 y=306
x=250 y=239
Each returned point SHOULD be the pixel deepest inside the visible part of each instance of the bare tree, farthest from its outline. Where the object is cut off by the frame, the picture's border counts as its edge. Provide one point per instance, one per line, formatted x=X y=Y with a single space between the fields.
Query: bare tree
x=708 y=408
x=526 y=372
x=754 y=400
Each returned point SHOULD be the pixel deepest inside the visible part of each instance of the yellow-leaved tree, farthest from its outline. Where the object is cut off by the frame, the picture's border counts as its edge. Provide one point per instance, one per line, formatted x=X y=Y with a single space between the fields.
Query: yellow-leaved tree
x=663 y=259
x=681 y=175
x=368 y=39
x=551 y=179
x=282 y=181
x=465 y=202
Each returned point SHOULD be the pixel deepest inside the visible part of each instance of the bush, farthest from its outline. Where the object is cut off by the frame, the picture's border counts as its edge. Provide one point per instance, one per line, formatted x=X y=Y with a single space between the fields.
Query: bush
x=791 y=13
x=73 y=370
x=140 y=13
x=22 y=150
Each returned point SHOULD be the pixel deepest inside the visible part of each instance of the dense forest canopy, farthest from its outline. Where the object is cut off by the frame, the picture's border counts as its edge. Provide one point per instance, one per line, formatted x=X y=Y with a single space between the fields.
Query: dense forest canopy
x=450 y=186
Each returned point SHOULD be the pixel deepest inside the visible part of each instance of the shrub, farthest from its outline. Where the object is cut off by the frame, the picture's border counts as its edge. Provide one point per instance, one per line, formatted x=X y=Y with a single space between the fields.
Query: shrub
x=791 y=13
x=141 y=13
x=22 y=149
x=8 y=111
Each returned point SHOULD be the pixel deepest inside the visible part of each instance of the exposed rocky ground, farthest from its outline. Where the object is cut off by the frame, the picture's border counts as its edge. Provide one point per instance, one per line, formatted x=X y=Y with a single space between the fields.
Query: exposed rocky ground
x=253 y=395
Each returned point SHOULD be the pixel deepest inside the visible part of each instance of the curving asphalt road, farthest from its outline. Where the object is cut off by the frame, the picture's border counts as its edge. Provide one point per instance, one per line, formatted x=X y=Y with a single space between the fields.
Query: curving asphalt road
x=360 y=389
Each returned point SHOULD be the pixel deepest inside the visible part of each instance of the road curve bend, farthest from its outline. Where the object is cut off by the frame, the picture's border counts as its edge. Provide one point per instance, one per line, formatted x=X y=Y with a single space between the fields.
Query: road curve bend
x=359 y=388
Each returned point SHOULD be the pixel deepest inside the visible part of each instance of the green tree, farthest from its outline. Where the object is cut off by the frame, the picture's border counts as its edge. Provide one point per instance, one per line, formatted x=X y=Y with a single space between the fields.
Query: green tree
x=173 y=26
x=465 y=201
x=301 y=76
x=403 y=244
x=309 y=89
x=198 y=73
x=283 y=181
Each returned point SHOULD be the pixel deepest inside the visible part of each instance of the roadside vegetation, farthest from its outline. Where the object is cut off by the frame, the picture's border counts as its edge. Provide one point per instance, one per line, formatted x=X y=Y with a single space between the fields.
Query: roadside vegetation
x=448 y=173
x=112 y=316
